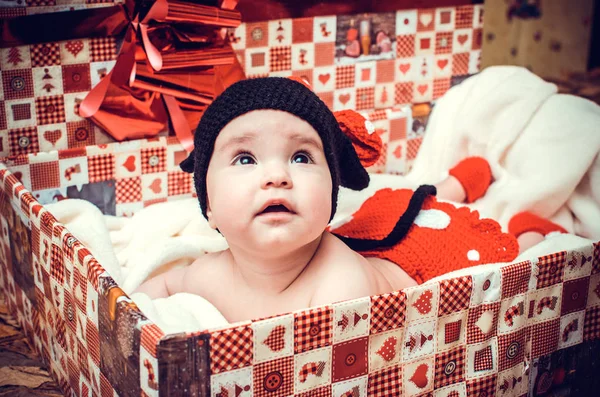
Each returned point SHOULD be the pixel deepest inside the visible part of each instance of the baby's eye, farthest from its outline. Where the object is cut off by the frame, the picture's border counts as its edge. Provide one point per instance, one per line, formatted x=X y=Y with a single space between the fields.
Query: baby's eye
x=302 y=157
x=244 y=159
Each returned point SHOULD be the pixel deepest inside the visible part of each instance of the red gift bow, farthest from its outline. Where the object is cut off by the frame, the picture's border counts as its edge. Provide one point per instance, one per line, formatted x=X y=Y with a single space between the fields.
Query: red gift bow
x=133 y=100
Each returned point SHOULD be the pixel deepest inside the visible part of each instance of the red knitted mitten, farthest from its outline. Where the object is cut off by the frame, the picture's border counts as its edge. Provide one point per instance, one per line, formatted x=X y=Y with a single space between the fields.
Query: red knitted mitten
x=527 y=222
x=442 y=238
x=475 y=176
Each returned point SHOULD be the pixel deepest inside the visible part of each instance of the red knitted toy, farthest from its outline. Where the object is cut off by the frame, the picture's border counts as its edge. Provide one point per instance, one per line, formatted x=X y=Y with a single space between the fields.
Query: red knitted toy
x=442 y=237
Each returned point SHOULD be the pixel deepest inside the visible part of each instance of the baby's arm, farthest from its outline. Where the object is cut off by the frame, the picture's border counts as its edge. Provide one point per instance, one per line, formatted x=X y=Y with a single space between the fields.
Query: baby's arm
x=165 y=284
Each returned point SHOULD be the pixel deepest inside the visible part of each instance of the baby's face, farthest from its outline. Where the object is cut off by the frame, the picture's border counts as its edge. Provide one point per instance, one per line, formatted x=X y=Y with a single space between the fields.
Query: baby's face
x=268 y=182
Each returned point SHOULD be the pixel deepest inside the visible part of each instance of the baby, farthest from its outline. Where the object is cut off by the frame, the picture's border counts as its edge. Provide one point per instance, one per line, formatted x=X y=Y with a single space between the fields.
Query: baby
x=268 y=161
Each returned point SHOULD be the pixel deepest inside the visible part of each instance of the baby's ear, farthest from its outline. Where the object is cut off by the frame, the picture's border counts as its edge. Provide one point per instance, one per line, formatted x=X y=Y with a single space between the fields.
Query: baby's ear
x=211 y=221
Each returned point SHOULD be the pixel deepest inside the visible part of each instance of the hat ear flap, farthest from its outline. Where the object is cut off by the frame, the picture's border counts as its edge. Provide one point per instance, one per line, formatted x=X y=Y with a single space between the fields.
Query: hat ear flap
x=187 y=165
x=352 y=173
x=367 y=144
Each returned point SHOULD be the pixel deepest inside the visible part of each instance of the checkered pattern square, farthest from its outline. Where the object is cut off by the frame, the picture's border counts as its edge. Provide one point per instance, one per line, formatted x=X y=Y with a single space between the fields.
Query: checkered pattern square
x=274 y=378
x=324 y=54
x=103 y=49
x=405 y=46
x=443 y=42
x=129 y=190
x=365 y=98
x=3 y=124
x=154 y=160
x=179 y=183
x=452 y=331
x=313 y=329
x=551 y=269
x=387 y=311
x=460 y=64
x=477 y=39
x=46 y=54
x=23 y=140
x=320 y=392
x=455 y=295
x=18 y=84
x=385 y=383
x=106 y=388
x=596 y=259
x=302 y=30
x=80 y=134
x=544 y=337
x=480 y=387
x=150 y=337
x=230 y=349
x=413 y=146
x=50 y=109
x=57 y=267
x=93 y=273
x=280 y=58
x=464 y=17
x=101 y=167
x=483 y=360
x=12 y=12
x=474 y=333
x=44 y=175
x=344 y=76
x=82 y=359
x=403 y=93
x=384 y=71
x=440 y=86
x=515 y=279
x=21 y=111
x=591 y=325
x=511 y=349
x=450 y=367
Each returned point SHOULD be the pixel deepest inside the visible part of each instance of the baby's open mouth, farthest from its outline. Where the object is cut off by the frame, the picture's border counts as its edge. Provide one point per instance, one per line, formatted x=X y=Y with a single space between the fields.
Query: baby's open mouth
x=276 y=208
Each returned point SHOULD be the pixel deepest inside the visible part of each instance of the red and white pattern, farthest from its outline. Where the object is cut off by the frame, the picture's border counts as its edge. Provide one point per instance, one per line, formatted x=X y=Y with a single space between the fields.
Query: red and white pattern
x=544 y=337
x=101 y=167
x=551 y=268
x=450 y=367
x=485 y=386
x=385 y=383
x=388 y=311
x=313 y=329
x=455 y=295
x=230 y=349
x=515 y=279
x=274 y=378
x=129 y=190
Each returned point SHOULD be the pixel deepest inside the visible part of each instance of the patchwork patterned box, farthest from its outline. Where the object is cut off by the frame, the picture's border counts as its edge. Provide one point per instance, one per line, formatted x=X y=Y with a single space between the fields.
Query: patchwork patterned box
x=525 y=328
x=504 y=330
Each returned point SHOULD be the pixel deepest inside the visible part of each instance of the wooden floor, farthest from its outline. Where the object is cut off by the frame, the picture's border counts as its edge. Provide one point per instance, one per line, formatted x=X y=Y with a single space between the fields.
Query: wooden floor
x=22 y=372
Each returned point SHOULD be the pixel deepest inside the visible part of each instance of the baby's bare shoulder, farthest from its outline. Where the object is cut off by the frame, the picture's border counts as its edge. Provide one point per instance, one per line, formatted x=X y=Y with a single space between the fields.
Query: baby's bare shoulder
x=342 y=274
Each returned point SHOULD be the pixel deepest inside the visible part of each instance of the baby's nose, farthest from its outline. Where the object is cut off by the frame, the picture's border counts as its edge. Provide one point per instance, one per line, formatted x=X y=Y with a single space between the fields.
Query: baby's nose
x=277 y=176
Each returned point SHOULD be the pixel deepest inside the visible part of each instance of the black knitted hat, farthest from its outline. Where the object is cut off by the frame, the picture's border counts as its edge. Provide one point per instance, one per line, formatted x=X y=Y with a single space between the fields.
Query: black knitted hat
x=276 y=93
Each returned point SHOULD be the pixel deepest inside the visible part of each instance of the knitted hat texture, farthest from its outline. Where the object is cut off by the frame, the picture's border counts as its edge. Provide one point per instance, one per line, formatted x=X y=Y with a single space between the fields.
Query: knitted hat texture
x=277 y=93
